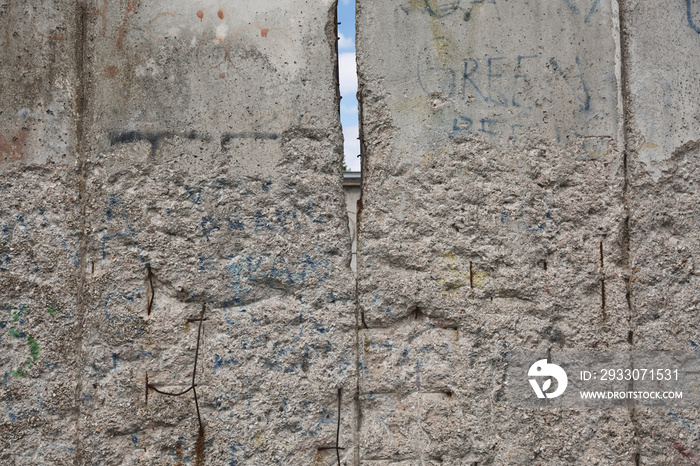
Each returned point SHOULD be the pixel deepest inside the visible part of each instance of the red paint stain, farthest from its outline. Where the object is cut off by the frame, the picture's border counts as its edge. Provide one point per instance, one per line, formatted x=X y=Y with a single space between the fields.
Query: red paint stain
x=12 y=148
x=200 y=15
x=681 y=449
x=179 y=454
x=103 y=13
x=156 y=18
x=131 y=5
x=199 y=449
x=111 y=71
x=222 y=75
x=264 y=31
x=221 y=14
x=47 y=36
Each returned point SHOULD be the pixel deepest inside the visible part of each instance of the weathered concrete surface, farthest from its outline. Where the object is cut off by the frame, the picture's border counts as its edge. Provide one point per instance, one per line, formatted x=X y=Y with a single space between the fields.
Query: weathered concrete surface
x=352 y=187
x=663 y=62
x=492 y=221
x=215 y=159
x=39 y=232
x=209 y=151
x=157 y=158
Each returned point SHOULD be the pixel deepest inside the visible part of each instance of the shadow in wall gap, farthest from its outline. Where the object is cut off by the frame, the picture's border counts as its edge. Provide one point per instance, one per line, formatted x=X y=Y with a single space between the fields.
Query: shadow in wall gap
x=347 y=82
x=350 y=119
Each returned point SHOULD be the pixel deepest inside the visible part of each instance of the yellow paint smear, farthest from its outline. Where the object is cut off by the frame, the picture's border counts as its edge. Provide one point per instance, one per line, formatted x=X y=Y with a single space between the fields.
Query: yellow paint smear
x=479 y=278
x=448 y=255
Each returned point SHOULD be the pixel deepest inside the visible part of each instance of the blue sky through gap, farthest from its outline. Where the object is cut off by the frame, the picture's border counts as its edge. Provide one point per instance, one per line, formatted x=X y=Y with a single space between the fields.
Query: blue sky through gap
x=348 y=82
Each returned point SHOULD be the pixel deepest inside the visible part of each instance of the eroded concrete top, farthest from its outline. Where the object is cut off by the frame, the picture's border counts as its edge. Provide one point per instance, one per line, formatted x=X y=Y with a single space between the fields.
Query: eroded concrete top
x=664 y=88
x=507 y=71
x=227 y=79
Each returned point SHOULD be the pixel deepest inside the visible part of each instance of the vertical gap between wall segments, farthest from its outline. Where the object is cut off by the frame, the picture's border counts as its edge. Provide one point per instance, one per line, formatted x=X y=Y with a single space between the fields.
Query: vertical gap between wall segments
x=625 y=245
x=359 y=314
x=334 y=9
x=602 y=282
x=81 y=155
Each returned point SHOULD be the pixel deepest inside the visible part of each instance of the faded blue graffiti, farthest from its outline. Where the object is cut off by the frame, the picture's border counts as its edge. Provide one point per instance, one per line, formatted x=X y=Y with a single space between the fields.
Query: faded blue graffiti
x=118 y=294
x=115 y=202
x=74 y=256
x=236 y=448
x=220 y=362
x=689 y=13
x=272 y=272
x=194 y=195
x=282 y=221
x=586 y=101
x=234 y=223
x=115 y=362
x=209 y=225
x=574 y=9
x=6 y=237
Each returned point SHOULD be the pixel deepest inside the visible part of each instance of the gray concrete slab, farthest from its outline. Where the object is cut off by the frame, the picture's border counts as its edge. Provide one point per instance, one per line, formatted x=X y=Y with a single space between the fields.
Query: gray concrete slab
x=201 y=143
x=39 y=232
x=529 y=185
x=492 y=205
x=215 y=160
x=663 y=61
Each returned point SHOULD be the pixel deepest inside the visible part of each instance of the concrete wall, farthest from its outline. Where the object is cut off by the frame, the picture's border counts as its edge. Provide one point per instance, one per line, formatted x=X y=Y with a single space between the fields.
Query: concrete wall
x=161 y=156
x=662 y=112
x=522 y=191
x=172 y=219
x=352 y=187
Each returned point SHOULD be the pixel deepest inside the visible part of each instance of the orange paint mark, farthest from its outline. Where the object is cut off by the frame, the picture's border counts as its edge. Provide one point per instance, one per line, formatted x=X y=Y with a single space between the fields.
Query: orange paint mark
x=111 y=71
x=47 y=36
x=199 y=449
x=103 y=13
x=130 y=6
x=8 y=31
x=222 y=75
x=221 y=14
x=681 y=449
x=226 y=47
x=13 y=148
x=200 y=15
x=264 y=32
x=156 y=18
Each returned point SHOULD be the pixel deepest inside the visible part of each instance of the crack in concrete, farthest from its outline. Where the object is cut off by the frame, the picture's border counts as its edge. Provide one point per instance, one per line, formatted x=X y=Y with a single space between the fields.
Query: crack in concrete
x=622 y=56
x=81 y=156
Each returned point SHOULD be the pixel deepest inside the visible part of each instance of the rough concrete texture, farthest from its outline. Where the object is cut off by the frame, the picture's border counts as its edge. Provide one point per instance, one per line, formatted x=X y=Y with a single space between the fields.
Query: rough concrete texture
x=492 y=221
x=663 y=57
x=40 y=275
x=172 y=221
x=157 y=157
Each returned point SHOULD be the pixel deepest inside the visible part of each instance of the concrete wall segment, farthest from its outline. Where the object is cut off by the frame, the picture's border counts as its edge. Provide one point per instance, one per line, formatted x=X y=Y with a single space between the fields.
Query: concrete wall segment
x=208 y=153
x=662 y=112
x=528 y=184
x=40 y=230
x=493 y=206
x=252 y=224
